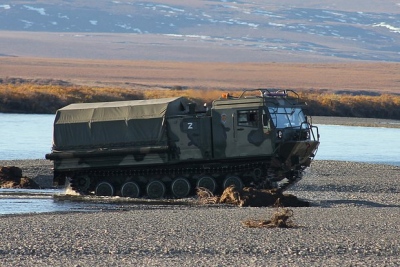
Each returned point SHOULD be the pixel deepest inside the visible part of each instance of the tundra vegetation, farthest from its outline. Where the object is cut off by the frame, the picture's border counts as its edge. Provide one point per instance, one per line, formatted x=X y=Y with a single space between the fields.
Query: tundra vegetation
x=48 y=96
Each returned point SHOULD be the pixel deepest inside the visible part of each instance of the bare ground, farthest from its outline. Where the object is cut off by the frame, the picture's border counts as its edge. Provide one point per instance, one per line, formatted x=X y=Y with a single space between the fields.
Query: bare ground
x=353 y=220
x=375 y=77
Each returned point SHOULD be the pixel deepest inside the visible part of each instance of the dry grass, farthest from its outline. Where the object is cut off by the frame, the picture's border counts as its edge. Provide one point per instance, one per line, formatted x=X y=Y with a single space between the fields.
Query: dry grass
x=351 y=89
x=282 y=218
x=250 y=197
x=205 y=196
x=28 y=97
x=37 y=98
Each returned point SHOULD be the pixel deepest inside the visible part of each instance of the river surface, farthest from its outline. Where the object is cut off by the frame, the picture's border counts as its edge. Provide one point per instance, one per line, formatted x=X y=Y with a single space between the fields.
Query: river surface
x=362 y=144
x=20 y=201
x=16 y=201
x=29 y=136
x=25 y=136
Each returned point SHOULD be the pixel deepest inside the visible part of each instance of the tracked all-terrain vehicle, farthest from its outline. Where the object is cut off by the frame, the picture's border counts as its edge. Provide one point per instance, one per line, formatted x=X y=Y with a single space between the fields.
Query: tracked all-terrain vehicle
x=167 y=147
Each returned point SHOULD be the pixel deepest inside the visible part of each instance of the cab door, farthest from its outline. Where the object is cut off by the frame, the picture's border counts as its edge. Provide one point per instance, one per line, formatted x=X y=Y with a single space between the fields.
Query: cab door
x=252 y=135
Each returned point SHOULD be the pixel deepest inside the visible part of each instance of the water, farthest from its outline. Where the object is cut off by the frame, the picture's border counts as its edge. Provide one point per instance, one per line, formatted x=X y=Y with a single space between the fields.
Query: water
x=25 y=136
x=16 y=201
x=30 y=137
x=20 y=201
x=362 y=144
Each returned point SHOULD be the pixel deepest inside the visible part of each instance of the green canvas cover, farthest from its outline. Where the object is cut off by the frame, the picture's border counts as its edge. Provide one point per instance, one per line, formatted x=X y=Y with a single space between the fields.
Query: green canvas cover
x=114 y=124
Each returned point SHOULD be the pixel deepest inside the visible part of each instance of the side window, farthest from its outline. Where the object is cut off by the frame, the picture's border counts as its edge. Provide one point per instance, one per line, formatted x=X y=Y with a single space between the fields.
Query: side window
x=248 y=118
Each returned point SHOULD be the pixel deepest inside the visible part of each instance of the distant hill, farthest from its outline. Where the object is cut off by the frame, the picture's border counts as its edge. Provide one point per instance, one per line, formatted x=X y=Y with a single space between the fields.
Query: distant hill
x=196 y=30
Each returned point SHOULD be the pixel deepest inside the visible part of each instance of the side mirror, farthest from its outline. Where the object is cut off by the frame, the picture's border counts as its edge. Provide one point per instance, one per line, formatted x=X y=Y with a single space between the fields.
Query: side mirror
x=264 y=120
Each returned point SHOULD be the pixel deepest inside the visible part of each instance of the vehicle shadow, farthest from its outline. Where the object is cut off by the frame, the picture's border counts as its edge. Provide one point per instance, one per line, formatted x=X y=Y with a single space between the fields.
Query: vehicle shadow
x=350 y=202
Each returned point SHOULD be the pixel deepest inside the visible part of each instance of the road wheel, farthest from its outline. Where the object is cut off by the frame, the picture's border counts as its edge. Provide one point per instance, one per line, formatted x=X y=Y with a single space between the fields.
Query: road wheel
x=233 y=180
x=80 y=183
x=104 y=189
x=180 y=187
x=207 y=182
x=155 y=189
x=130 y=189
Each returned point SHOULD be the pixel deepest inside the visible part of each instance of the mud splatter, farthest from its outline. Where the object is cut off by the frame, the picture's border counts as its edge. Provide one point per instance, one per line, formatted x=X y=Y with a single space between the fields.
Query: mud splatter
x=251 y=197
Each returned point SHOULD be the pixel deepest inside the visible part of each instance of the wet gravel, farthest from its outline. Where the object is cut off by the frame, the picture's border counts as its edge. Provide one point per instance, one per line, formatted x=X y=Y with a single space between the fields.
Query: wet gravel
x=354 y=220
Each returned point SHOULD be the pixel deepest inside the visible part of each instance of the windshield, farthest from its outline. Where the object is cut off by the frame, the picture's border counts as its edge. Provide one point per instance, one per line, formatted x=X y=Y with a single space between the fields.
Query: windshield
x=287 y=117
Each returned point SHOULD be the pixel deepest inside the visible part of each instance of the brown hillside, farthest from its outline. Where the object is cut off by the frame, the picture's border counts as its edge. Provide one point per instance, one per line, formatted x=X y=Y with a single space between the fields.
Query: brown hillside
x=376 y=77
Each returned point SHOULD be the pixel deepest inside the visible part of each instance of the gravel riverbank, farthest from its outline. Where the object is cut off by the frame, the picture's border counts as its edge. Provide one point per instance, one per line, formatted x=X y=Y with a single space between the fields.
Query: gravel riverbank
x=354 y=220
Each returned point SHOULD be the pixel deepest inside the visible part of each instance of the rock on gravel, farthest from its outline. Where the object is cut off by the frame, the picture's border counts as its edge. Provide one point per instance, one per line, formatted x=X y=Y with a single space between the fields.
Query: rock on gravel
x=39 y=170
x=354 y=220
